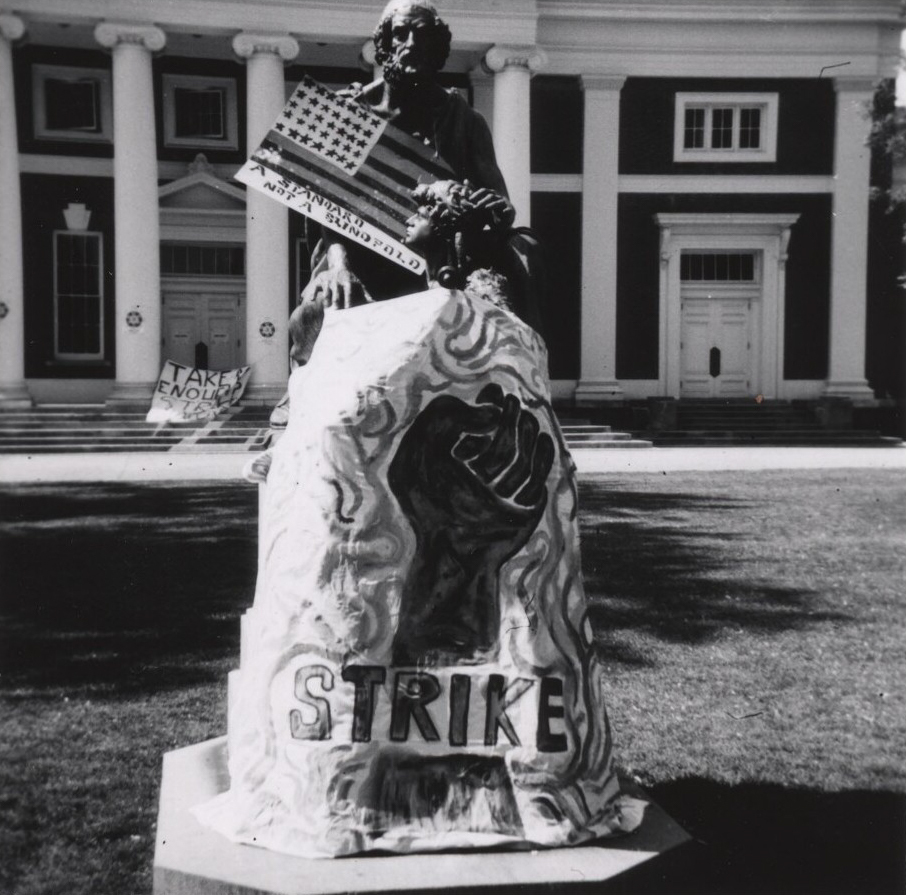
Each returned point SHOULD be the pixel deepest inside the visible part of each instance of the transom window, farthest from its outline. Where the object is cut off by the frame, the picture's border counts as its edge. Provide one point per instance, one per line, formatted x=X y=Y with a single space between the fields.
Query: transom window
x=78 y=296
x=190 y=259
x=718 y=267
x=71 y=103
x=733 y=127
x=200 y=111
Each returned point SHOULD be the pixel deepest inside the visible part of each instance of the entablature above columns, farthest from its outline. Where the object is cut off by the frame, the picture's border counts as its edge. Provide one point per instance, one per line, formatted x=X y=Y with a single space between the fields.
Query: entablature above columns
x=113 y=34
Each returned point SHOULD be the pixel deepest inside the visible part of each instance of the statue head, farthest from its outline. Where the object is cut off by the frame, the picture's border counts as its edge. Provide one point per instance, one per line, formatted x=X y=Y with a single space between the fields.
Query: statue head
x=411 y=41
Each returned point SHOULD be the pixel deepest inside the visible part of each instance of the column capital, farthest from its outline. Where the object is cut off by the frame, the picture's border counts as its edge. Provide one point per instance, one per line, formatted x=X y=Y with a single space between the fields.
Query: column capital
x=610 y=83
x=855 y=84
x=367 y=54
x=502 y=57
x=11 y=27
x=113 y=34
x=247 y=44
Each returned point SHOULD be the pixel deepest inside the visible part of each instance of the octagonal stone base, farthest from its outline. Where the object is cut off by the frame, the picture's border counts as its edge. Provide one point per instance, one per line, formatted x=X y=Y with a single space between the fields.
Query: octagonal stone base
x=190 y=859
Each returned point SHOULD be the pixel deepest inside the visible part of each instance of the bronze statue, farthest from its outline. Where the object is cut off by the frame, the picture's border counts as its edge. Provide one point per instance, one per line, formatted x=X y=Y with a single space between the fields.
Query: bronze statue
x=412 y=43
x=463 y=226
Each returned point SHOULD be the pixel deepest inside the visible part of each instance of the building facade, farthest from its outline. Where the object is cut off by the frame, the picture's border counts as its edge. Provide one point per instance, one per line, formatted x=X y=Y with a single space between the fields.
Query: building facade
x=697 y=172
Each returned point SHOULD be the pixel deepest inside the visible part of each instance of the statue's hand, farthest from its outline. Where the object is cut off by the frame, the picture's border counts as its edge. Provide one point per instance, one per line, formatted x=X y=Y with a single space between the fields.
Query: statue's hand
x=337 y=286
x=336 y=289
x=500 y=213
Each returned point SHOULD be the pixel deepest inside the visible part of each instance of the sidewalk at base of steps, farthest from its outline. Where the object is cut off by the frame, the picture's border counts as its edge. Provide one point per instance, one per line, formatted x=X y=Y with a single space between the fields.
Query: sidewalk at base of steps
x=167 y=467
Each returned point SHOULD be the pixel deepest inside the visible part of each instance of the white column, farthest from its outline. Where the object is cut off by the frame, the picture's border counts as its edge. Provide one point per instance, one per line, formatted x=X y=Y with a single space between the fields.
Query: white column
x=849 y=243
x=135 y=208
x=482 y=82
x=267 y=222
x=513 y=68
x=367 y=60
x=13 y=392
x=600 y=191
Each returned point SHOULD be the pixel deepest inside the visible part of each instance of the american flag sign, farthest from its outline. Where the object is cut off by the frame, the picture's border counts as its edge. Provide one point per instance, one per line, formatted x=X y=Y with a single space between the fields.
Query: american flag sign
x=332 y=159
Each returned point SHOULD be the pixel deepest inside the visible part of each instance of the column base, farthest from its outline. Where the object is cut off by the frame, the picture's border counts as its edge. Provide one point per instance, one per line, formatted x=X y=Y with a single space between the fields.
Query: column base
x=592 y=392
x=131 y=394
x=857 y=390
x=15 y=395
x=265 y=393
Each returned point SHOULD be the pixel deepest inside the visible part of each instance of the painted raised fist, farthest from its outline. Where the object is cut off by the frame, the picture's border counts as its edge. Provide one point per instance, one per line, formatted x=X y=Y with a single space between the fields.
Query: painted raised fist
x=471 y=481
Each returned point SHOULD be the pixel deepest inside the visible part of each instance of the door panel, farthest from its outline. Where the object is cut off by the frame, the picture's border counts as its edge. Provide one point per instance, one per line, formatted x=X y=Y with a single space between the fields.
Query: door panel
x=709 y=324
x=181 y=329
x=222 y=332
x=733 y=340
x=216 y=319
x=696 y=344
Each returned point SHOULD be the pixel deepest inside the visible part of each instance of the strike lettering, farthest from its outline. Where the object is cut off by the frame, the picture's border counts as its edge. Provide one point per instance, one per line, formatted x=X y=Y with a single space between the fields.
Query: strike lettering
x=320 y=728
x=412 y=692
x=448 y=693
x=367 y=678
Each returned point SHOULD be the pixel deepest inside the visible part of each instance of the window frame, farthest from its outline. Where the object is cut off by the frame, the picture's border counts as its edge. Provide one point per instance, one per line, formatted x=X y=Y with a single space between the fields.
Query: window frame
x=730 y=286
x=767 y=102
x=71 y=356
x=171 y=82
x=43 y=72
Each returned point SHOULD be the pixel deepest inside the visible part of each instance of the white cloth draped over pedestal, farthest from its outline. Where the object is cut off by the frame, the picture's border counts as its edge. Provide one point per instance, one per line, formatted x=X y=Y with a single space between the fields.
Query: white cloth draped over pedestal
x=417 y=670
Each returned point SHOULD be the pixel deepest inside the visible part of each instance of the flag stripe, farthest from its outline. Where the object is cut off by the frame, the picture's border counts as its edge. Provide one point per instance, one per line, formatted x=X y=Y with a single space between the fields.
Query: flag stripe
x=383 y=182
x=260 y=174
x=383 y=170
x=309 y=169
x=420 y=156
x=336 y=194
x=405 y=176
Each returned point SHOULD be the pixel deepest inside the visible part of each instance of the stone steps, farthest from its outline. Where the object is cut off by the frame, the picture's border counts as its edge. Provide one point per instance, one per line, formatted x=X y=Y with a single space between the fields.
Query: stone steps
x=62 y=429
x=788 y=438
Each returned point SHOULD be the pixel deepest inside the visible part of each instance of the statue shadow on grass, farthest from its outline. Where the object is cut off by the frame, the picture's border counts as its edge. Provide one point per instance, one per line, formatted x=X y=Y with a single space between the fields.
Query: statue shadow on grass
x=111 y=590
x=760 y=838
x=647 y=572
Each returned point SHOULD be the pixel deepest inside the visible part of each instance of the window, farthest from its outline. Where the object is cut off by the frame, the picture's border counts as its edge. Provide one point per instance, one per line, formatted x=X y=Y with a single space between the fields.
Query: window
x=731 y=127
x=200 y=111
x=78 y=296
x=718 y=267
x=72 y=103
x=189 y=259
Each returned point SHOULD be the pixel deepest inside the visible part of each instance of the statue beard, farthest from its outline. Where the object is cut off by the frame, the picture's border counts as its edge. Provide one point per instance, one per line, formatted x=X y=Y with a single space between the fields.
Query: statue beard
x=396 y=76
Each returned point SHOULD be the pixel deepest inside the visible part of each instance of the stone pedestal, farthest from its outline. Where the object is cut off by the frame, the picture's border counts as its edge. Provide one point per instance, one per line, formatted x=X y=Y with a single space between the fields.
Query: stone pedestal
x=418 y=670
x=190 y=859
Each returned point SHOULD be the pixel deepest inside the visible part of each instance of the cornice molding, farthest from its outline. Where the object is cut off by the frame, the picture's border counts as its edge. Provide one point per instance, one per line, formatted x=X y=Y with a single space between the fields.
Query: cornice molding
x=247 y=44
x=502 y=57
x=12 y=28
x=794 y=11
x=112 y=34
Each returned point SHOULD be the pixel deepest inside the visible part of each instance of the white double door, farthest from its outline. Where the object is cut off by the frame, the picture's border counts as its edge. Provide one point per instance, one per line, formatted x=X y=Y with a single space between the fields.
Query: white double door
x=204 y=326
x=717 y=348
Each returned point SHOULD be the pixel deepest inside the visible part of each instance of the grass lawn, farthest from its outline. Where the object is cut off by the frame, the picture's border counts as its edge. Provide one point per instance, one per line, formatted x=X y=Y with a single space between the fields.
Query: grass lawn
x=752 y=625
